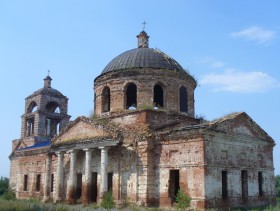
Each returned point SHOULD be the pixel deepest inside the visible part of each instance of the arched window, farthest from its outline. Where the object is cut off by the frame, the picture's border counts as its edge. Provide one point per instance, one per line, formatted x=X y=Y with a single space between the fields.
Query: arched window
x=106 y=99
x=53 y=107
x=131 y=96
x=32 y=107
x=158 y=96
x=183 y=99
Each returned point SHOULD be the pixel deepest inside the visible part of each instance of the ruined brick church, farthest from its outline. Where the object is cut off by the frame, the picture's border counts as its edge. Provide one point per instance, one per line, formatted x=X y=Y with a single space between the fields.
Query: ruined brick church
x=143 y=142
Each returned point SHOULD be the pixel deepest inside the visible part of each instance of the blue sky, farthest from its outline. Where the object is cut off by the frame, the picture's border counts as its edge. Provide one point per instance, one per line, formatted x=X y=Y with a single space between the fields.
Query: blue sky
x=231 y=47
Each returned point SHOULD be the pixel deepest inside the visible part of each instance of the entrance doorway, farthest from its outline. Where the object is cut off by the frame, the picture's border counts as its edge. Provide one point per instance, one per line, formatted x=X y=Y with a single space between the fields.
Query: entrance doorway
x=79 y=186
x=110 y=181
x=94 y=187
x=174 y=184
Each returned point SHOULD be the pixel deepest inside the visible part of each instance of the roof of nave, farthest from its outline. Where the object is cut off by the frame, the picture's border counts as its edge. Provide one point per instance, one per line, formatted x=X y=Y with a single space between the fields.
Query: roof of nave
x=237 y=123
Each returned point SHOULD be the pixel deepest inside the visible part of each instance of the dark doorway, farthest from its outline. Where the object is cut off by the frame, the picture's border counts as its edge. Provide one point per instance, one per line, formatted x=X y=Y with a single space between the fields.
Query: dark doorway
x=38 y=182
x=174 y=184
x=94 y=187
x=131 y=96
x=244 y=184
x=224 y=185
x=25 y=182
x=158 y=96
x=79 y=186
x=183 y=99
x=260 y=180
x=110 y=181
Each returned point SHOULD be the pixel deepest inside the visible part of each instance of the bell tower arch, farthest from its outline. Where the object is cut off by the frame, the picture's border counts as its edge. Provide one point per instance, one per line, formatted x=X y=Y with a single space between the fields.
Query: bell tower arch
x=45 y=113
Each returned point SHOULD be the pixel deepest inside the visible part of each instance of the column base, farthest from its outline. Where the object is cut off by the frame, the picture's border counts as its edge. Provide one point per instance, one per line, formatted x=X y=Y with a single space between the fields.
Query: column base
x=45 y=199
x=58 y=200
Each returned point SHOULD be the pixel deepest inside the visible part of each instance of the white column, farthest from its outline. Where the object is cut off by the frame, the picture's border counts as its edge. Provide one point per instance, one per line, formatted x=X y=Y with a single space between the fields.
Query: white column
x=103 y=170
x=59 y=177
x=86 y=191
x=47 y=179
x=72 y=182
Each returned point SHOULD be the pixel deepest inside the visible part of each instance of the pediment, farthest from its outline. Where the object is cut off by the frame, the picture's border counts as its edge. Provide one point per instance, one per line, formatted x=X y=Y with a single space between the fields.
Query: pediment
x=240 y=123
x=82 y=129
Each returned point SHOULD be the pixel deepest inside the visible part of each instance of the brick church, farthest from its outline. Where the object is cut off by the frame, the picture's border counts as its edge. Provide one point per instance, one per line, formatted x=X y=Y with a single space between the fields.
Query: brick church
x=143 y=142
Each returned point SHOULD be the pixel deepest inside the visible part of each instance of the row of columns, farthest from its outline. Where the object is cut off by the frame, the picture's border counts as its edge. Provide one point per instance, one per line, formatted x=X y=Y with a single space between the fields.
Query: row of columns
x=72 y=183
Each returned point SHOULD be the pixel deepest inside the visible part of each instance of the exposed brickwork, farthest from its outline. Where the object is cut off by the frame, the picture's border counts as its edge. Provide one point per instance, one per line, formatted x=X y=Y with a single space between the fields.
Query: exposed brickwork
x=142 y=151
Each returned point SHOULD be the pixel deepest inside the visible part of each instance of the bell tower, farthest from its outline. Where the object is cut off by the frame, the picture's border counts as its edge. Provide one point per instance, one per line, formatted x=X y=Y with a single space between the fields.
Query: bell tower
x=45 y=114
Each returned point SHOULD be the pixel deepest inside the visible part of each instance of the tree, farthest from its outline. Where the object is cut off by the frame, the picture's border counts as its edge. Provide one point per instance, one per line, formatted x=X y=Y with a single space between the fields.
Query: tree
x=277 y=185
x=4 y=185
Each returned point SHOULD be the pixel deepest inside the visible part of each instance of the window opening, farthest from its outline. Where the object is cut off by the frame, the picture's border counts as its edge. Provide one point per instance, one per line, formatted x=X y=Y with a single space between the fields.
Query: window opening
x=183 y=99
x=94 y=187
x=52 y=182
x=30 y=127
x=110 y=181
x=224 y=185
x=53 y=107
x=52 y=127
x=131 y=97
x=174 y=184
x=32 y=107
x=25 y=182
x=106 y=99
x=260 y=180
x=38 y=182
x=244 y=183
x=158 y=97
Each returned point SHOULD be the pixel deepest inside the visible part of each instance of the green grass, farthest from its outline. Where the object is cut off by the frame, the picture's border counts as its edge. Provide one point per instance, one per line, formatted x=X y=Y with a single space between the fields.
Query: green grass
x=36 y=205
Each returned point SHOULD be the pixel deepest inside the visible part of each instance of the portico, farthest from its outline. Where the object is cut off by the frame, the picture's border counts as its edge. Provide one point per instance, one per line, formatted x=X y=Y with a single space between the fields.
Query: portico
x=68 y=154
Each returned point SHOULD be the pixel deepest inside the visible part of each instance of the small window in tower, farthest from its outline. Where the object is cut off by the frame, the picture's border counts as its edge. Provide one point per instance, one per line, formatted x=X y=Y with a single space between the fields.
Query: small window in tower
x=183 y=99
x=38 y=182
x=30 y=127
x=158 y=96
x=131 y=96
x=106 y=99
x=25 y=182
x=48 y=127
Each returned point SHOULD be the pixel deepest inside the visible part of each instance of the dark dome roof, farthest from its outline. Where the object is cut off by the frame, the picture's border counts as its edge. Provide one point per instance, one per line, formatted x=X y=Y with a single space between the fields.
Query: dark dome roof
x=47 y=91
x=143 y=57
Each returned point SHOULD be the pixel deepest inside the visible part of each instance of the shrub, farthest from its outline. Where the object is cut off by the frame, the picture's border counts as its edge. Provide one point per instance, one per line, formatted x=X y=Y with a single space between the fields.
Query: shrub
x=9 y=195
x=183 y=201
x=108 y=201
x=4 y=184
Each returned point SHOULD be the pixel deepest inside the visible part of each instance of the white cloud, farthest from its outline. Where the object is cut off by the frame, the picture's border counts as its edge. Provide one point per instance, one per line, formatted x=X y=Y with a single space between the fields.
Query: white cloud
x=212 y=62
x=257 y=34
x=240 y=82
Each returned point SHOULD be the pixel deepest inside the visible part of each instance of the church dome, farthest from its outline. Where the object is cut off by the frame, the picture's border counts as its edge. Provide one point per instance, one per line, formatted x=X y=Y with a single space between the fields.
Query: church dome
x=143 y=57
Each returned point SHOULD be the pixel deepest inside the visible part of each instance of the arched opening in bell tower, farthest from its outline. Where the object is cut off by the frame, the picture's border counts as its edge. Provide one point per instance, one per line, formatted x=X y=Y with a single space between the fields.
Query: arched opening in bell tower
x=52 y=120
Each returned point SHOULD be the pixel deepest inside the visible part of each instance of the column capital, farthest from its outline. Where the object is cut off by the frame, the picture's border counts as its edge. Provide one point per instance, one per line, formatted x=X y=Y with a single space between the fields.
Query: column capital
x=59 y=153
x=72 y=151
x=104 y=147
x=88 y=149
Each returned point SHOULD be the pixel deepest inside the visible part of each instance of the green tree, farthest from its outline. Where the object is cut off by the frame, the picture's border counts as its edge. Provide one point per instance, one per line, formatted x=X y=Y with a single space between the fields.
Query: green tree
x=277 y=185
x=4 y=185
x=183 y=201
x=108 y=201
